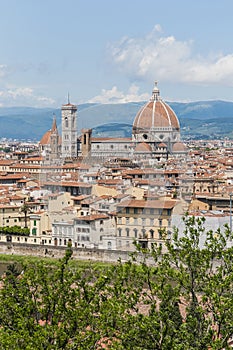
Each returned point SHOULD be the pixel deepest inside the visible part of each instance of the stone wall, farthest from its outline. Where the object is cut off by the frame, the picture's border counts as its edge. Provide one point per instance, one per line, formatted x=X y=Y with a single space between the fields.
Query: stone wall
x=58 y=252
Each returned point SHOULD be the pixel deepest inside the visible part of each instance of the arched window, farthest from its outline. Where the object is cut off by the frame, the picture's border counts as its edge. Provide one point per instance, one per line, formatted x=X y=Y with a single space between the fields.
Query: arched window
x=66 y=122
x=143 y=233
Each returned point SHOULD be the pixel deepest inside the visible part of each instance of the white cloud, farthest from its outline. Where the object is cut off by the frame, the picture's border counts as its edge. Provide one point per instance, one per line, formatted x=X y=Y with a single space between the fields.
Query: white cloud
x=23 y=96
x=13 y=95
x=20 y=92
x=158 y=28
x=46 y=100
x=116 y=96
x=165 y=58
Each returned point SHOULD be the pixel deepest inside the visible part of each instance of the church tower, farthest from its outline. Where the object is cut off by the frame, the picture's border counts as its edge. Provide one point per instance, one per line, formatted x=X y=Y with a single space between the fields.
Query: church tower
x=54 y=142
x=69 y=130
x=86 y=142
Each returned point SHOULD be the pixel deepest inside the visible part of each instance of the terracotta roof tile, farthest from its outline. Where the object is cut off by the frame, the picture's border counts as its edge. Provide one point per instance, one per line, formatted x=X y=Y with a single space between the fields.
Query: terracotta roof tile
x=157 y=204
x=45 y=140
x=143 y=147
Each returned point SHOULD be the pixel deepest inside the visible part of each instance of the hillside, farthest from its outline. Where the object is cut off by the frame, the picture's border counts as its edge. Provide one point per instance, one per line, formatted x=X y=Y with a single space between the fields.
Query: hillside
x=202 y=119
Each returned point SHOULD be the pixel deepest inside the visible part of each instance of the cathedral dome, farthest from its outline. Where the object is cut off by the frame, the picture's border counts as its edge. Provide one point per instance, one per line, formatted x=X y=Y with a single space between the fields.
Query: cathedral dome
x=155 y=115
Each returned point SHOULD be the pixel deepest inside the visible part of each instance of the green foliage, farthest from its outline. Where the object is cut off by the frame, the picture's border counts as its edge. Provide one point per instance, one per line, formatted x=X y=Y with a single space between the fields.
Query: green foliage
x=13 y=270
x=180 y=299
x=6 y=150
x=15 y=230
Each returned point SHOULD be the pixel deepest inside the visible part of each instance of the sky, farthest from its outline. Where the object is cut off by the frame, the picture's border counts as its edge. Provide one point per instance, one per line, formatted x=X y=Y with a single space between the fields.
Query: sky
x=112 y=51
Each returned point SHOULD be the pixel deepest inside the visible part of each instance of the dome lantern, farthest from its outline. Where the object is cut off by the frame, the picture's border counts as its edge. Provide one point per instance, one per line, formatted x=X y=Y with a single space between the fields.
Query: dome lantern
x=155 y=92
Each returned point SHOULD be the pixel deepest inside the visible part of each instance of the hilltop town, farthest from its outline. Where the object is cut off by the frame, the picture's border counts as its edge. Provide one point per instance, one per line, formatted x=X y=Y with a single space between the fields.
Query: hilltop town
x=107 y=193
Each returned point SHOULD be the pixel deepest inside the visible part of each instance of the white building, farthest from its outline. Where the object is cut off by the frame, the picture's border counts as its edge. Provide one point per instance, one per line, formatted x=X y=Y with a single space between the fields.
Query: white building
x=84 y=232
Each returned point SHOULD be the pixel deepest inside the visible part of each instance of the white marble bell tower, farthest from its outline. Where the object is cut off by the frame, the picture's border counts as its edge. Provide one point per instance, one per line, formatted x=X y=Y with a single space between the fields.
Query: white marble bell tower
x=69 y=130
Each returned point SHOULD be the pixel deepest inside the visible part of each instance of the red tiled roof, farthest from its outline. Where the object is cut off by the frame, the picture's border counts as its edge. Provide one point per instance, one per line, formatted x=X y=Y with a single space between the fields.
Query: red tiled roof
x=68 y=184
x=12 y=176
x=6 y=162
x=179 y=147
x=92 y=217
x=143 y=147
x=162 y=144
x=69 y=105
x=45 y=140
x=158 y=204
x=80 y=197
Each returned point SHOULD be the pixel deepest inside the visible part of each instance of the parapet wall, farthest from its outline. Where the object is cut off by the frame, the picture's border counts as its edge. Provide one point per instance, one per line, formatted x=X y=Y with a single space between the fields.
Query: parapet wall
x=58 y=252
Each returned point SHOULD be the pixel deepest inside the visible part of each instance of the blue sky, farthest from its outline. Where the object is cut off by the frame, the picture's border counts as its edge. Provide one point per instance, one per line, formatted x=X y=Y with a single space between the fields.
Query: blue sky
x=112 y=51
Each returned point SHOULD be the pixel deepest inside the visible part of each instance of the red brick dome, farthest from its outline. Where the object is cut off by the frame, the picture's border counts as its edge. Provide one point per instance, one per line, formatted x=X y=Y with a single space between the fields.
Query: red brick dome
x=155 y=114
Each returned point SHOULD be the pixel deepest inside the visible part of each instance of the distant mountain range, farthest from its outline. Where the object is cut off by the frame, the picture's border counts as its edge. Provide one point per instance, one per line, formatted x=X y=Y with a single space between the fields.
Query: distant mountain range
x=198 y=120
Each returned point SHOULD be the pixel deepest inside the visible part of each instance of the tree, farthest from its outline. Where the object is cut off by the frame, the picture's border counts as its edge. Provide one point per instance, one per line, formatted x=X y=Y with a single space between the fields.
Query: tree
x=25 y=209
x=180 y=299
x=14 y=230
